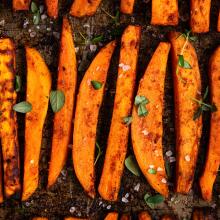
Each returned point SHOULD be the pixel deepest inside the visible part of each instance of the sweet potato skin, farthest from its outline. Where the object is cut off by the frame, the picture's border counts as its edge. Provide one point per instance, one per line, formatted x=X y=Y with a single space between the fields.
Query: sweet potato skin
x=86 y=117
x=218 y=25
x=200 y=15
x=52 y=8
x=1 y=186
x=37 y=93
x=81 y=8
x=147 y=137
x=118 y=136
x=167 y=217
x=213 y=154
x=127 y=6
x=125 y=217
x=21 y=5
x=39 y=218
x=67 y=78
x=144 y=216
x=187 y=85
x=8 y=120
x=112 y=216
x=165 y=12
x=202 y=214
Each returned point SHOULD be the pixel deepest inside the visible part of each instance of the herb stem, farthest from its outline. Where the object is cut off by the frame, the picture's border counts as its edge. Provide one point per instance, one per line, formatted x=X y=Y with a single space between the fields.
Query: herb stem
x=80 y=33
x=112 y=17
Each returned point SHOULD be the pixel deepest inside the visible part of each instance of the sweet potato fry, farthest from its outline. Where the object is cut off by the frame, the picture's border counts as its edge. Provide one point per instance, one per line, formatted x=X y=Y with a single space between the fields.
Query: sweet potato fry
x=1 y=186
x=39 y=218
x=213 y=155
x=37 y=93
x=167 y=217
x=81 y=8
x=164 y=12
x=144 y=216
x=52 y=8
x=112 y=216
x=74 y=218
x=200 y=15
x=8 y=121
x=125 y=217
x=146 y=132
x=21 y=5
x=202 y=214
x=127 y=6
x=67 y=78
x=187 y=86
x=218 y=25
x=89 y=100
x=118 y=136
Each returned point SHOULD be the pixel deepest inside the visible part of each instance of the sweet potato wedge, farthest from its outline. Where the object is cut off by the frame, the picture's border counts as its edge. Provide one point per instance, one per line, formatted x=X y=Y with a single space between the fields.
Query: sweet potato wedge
x=200 y=15
x=127 y=6
x=74 y=218
x=39 y=218
x=218 y=25
x=67 y=78
x=202 y=214
x=165 y=12
x=167 y=217
x=112 y=216
x=37 y=93
x=88 y=103
x=213 y=154
x=8 y=121
x=144 y=216
x=81 y=8
x=187 y=85
x=1 y=186
x=118 y=136
x=21 y=5
x=146 y=132
x=52 y=8
x=125 y=217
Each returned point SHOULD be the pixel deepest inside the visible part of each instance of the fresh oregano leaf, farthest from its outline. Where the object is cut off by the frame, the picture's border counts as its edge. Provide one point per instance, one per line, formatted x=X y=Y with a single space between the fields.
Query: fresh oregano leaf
x=17 y=83
x=97 y=39
x=167 y=167
x=36 y=17
x=96 y=84
x=155 y=200
x=127 y=120
x=22 y=107
x=132 y=165
x=140 y=100
x=142 y=110
x=152 y=171
x=57 y=100
x=197 y=113
x=183 y=63
x=34 y=7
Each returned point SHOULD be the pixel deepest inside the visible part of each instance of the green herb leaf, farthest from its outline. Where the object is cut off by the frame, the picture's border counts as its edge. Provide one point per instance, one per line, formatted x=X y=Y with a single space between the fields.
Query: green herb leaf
x=99 y=152
x=17 y=83
x=57 y=100
x=127 y=120
x=140 y=100
x=34 y=7
x=36 y=18
x=183 y=63
x=142 y=111
x=206 y=93
x=97 y=39
x=197 y=113
x=22 y=107
x=152 y=171
x=96 y=84
x=167 y=167
x=132 y=165
x=154 y=200
x=117 y=17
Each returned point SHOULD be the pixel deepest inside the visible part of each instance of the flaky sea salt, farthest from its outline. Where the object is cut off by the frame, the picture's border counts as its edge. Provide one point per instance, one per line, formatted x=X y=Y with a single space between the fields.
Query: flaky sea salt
x=124 y=200
x=187 y=158
x=124 y=67
x=72 y=209
x=137 y=187
x=169 y=153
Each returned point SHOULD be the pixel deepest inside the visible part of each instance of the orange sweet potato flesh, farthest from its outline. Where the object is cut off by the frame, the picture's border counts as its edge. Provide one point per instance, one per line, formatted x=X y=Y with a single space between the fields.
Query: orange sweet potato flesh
x=37 y=93
x=52 y=8
x=112 y=216
x=109 y=185
x=218 y=25
x=67 y=78
x=164 y=12
x=8 y=120
x=146 y=132
x=81 y=8
x=1 y=186
x=144 y=216
x=167 y=217
x=21 y=5
x=202 y=214
x=39 y=218
x=86 y=117
x=74 y=218
x=125 y=217
x=213 y=154
x=200 y=15
x=187 y=85
x=127 y=6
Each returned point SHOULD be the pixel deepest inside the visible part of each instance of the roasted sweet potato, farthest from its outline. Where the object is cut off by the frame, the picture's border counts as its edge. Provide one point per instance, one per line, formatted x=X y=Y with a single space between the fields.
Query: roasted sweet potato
x=21 y=5
x=218 y=25
x=81 y=8
x=144 y=216
x=52 y=8
x=125 y=217
x=187 y=85
x=200 y=15
x=112 y=216
x=39 y=218
x=74 y=218
x=8 y=120
x=213 y=155
x=67 y=78
x=167 y=217
x=89 y=100
x=118 y=136
x=202 y=214
x=37 y=93
x=146 y=132
x=164 y=12
x=1 y=186
x=127 y=6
